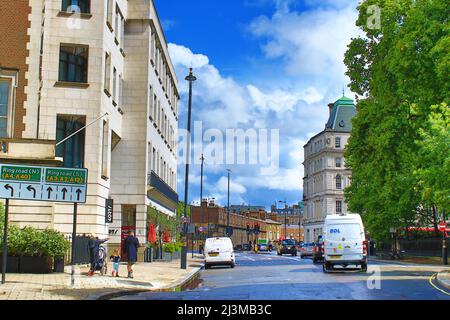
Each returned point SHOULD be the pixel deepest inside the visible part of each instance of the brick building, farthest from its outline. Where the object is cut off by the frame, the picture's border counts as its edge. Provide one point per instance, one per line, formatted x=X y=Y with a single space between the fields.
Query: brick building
x=216 y=217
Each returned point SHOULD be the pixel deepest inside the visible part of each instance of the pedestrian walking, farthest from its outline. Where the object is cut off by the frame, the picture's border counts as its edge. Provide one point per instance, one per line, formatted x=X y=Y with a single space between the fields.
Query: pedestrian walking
x=94 y=248
x=130 y=248
x=116 y=262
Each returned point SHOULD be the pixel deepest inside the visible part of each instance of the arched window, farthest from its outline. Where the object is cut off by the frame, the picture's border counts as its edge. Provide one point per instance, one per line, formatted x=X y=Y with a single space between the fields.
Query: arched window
x=338 y=182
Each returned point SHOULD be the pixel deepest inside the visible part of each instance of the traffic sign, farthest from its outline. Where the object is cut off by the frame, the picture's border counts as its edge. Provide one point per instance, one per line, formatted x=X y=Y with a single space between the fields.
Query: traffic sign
x=43 y=183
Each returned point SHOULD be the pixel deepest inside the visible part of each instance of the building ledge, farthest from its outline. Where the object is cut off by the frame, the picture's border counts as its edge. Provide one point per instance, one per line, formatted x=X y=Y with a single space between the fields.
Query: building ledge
x=66 y=14
x=75 y=85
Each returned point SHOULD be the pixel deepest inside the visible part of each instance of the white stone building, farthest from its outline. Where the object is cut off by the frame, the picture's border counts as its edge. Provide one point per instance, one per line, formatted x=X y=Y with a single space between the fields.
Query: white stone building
x=109 y=57
x=325 y=174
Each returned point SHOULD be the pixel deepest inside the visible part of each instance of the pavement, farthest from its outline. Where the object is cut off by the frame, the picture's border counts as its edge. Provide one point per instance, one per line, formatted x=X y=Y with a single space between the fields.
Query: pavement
x=266 y=276
x=154 y=276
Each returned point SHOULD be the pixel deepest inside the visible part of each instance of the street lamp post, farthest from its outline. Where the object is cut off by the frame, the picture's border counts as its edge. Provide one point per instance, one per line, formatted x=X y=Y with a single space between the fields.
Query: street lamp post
x=285 y=217
x=191 y=78
x=228 y=207
x=201 y=195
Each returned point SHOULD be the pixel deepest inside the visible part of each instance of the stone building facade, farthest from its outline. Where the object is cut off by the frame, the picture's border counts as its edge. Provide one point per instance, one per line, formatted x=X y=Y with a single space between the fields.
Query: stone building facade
x=104 y=64
x=325 y=174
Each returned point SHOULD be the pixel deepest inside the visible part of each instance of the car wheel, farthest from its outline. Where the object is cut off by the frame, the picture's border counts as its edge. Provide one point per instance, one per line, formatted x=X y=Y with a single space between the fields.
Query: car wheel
x=302 y=256
x=206 y=266
x=232 y=265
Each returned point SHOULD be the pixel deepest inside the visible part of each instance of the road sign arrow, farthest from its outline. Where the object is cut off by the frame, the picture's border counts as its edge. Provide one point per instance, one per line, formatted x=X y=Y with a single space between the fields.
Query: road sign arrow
x=29 y=188
x=78 y=192
x=8 y=187
x=49 y=189
x=64 y=191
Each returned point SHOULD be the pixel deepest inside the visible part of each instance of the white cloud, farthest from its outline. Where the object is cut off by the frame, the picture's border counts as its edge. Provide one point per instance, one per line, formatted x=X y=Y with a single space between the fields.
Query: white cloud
x=311 y=42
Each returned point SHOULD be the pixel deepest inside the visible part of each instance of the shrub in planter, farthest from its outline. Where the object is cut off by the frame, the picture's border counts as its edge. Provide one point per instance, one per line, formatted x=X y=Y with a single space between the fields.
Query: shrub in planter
x=169 y=247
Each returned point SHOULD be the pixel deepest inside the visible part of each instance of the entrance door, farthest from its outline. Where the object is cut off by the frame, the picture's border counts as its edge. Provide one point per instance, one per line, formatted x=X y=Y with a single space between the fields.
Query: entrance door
x=128 y=223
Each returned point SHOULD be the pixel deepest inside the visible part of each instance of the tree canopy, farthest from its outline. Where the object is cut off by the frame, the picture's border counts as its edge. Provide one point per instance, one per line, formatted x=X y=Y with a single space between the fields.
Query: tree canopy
x=399 y=147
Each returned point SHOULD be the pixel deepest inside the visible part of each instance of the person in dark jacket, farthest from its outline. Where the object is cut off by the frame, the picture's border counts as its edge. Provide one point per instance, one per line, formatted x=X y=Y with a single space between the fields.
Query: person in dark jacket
x=130 y=248
x=94 y=246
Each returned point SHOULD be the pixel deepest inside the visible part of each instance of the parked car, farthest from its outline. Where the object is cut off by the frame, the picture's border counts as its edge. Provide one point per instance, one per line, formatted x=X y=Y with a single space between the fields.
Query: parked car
x=246 y=247
x=219 y=251
x=238 y=247
x=307 y=249
x=344 y=242
x=318 y=250
x=287 y=247
x=263 y=247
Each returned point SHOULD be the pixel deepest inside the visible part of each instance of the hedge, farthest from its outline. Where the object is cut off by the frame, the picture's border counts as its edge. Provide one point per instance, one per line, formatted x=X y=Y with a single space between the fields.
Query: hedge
x=30 y=241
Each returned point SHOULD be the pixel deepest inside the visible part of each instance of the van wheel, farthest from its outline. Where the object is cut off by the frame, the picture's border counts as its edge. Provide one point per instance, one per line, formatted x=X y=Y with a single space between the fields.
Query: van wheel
x=232 y=265
x=327 y=267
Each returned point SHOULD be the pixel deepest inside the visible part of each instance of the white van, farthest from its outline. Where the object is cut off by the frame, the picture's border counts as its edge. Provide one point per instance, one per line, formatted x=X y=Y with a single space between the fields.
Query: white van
x=219 y=251
x=344 y=242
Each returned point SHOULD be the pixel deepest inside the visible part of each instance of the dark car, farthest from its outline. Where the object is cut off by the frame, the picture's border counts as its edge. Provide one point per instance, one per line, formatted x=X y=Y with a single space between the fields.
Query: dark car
x=238 y=247
x=287 y=247
x=245 y=247
x=318 y=252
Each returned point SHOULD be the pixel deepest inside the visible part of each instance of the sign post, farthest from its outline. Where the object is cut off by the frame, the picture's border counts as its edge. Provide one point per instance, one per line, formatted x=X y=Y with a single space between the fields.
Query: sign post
x=5 y=242
x=33 y=183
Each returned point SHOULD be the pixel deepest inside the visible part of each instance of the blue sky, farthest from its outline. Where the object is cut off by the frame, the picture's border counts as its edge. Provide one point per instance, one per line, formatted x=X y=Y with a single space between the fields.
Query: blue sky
x=272 y=64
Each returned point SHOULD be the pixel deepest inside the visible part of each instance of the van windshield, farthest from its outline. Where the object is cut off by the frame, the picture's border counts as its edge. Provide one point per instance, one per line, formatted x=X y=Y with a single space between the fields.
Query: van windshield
x=350 y=231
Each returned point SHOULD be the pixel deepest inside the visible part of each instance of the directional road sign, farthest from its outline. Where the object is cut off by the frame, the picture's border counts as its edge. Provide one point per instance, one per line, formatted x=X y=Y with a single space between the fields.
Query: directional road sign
x=43 y=183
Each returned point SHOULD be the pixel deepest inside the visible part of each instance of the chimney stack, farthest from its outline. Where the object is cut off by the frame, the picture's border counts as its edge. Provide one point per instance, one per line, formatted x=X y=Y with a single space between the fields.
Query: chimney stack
x=330 y=107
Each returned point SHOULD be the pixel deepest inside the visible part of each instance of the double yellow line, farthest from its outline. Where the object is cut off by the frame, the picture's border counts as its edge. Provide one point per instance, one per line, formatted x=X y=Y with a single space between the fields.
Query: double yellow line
x=434 y=286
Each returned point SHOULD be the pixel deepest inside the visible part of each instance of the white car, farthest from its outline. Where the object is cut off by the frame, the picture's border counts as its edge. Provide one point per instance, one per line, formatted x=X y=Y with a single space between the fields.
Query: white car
x=219 y=251
x=344 y=242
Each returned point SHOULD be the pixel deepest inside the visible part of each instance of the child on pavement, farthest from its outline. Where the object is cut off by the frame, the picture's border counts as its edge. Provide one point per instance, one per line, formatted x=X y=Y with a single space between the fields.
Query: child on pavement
x=116 y=262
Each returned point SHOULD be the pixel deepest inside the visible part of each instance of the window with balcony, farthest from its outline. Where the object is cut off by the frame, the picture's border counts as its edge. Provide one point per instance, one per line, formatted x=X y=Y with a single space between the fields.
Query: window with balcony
x=71 y=150
x=79 y=6
x=73 y=63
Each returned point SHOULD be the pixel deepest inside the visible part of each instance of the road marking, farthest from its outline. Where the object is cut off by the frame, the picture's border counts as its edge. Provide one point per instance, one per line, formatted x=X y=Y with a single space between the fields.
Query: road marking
x=436 y=287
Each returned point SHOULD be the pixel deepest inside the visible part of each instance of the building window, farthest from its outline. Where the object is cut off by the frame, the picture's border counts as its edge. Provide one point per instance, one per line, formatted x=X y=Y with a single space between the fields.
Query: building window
x=72 y=150
x=338 y=162
x=109 y=11
x=107 y=78
x=114 y=88
x=73 y=63
x=81 y=6
x=105 y=150
x=338 y=206
x=337 y=142
x=338 y=182
x=5 y=109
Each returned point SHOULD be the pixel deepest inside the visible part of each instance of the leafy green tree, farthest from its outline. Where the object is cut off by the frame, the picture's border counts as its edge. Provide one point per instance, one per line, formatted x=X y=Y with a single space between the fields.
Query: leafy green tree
x=401 y=71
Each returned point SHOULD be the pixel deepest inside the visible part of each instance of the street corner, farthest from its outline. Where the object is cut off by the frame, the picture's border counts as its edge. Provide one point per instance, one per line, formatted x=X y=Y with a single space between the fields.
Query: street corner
x=443 y=279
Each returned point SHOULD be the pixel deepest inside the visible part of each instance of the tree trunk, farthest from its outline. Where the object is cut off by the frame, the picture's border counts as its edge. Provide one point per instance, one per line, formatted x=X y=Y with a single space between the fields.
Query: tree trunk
x=435 y=220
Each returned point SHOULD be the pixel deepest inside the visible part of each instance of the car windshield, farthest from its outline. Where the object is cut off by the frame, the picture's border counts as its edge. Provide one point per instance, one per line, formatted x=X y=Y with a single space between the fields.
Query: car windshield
x=350 y=231
x=288 y=243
